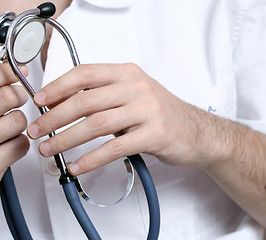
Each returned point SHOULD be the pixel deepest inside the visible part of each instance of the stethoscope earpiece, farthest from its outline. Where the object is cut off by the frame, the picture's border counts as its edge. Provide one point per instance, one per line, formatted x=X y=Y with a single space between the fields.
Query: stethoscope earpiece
x=5 y=21
x=47 y=10
x=3 y=33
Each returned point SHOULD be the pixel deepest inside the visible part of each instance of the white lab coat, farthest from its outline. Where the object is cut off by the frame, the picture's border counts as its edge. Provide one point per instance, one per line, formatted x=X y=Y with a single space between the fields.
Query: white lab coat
x=211 y=54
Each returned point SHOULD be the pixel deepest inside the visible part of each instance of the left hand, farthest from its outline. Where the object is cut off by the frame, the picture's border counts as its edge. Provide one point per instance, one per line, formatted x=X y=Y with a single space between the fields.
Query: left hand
x=121 y=97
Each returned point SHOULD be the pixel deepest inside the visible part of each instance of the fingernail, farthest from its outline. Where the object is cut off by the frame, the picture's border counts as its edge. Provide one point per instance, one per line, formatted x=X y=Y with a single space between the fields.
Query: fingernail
x=33 y=130
x=74 y=168
x=45 y=148
x=40 y=97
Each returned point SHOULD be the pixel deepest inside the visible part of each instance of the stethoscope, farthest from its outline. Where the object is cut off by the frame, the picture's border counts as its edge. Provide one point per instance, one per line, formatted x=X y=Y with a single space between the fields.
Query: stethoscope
x=22 y=37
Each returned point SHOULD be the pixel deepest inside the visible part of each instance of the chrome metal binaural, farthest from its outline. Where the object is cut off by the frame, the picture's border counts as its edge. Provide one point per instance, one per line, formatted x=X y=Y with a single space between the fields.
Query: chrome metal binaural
x=5 y=21
x=67 y=38
x=9 y=49
x=6 y=18
x=14 y=22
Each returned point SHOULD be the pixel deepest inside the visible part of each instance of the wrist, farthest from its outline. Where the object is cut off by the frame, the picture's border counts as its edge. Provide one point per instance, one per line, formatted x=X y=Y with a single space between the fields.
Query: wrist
x=221 y=140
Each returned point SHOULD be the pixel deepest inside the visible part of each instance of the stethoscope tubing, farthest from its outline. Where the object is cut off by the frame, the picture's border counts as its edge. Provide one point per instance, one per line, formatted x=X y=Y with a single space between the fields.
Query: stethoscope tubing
x=12 y=208
x=18 y=225
x=151 y=195
x=82 y=217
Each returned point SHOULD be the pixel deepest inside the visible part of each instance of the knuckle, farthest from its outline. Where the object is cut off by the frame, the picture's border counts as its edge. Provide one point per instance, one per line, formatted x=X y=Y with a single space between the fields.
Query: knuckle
x=54 y=86
x=116 y=147
x=81 y=100
x=133 y=68
x=99 y=121
x=156 y=107
x=144 y=86
x=6 y=74
x=60 y=142
x=90 y=161
x=8 y=96
x=23 y=95
x=86 y=72
x=20 y=121
x=161 y=130
x=85 y=98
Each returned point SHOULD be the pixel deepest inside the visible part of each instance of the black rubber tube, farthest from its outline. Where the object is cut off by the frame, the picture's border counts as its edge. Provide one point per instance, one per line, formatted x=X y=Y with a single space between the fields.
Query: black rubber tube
x=73 y=199
x=18 y=226
x=14 y=209
x=151 y=195
x=7 y=213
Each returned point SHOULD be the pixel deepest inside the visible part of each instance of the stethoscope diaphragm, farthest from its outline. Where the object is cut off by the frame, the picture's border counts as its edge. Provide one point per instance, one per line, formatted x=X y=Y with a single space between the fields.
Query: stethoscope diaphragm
x=28 y=40
x=28 y=36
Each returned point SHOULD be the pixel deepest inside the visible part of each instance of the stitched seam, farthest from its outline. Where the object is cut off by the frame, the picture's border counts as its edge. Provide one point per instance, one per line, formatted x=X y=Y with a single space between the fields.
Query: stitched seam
x=238 y=24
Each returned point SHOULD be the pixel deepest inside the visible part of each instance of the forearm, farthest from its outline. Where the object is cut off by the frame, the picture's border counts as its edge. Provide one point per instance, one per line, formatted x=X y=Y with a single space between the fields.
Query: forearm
x=241 y=168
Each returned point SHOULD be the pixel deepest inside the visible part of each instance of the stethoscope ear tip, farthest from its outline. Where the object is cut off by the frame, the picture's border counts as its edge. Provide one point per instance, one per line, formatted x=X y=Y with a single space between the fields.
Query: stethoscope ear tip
x=47 y=10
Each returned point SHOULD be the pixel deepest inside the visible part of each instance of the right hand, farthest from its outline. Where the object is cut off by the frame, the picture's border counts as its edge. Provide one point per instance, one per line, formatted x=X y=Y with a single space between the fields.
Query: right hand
x=13 y=144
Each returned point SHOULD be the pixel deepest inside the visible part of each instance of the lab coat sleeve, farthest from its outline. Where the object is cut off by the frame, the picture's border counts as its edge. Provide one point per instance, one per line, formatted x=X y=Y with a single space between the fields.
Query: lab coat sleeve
x=248 y=30
x=248 y=35
x=250 y=67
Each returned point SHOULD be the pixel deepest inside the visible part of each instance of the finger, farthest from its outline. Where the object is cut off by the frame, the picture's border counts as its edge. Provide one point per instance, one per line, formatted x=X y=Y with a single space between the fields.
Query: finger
x=51 y=106
x=79 y=78
x=12 y=150
x=104 y=94
x=96 y=125
x=81 y=104
x=7 y=76
x=125 y=145
x=11 y=97
x=11 y=125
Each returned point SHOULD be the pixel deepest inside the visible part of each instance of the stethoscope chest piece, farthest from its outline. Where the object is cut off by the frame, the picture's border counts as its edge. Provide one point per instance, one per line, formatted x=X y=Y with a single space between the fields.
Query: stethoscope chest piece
x=29 y=38
x=22 y=38
x=24 y=35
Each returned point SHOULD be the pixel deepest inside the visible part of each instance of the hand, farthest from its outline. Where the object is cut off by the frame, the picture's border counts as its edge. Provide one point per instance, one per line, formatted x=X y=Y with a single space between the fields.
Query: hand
x=13 y=144
x=121 y=97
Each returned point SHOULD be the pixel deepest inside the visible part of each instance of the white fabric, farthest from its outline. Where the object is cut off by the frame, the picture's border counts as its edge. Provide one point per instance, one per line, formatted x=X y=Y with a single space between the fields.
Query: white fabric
x=111 y=3
x=210 y=54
